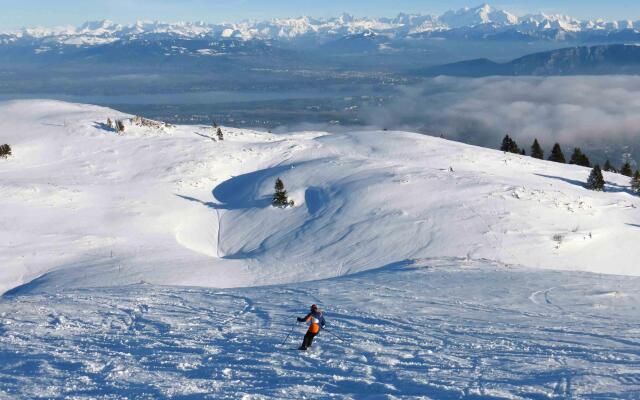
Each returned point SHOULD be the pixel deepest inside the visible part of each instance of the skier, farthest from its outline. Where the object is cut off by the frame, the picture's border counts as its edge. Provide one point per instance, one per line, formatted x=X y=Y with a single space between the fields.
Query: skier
x=315 y=318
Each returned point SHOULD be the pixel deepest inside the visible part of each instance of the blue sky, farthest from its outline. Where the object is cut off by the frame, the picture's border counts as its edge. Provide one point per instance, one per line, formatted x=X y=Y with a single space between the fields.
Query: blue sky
x=19 y=13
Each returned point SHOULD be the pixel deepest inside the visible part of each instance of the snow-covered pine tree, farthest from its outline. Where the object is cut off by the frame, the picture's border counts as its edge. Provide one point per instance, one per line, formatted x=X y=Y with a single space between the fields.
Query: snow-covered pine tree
x=635 y=182
x=509 y=145
x=5 y=151
x=596 y=180
x=626 y=169
x=579 y=158
x=608 y=167
x=119 y=126
x=536 y=150
x=556 y=154
x=280 y=199
x=219 y=134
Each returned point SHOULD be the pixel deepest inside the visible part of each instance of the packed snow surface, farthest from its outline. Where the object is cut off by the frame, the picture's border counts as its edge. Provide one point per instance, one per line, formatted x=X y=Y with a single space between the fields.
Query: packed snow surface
x=438 y=329
x=151 y=264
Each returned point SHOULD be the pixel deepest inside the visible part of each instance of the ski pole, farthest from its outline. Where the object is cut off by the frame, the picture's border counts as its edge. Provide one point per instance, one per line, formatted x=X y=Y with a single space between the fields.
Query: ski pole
x=334 y=335
x=289 y=334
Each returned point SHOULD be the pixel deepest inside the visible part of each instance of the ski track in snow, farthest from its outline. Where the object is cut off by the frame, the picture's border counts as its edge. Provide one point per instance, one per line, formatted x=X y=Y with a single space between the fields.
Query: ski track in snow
x=428 y=330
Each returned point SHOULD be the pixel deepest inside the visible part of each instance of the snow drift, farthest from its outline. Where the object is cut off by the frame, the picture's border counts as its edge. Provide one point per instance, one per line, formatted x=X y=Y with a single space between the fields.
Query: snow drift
x=83 y=206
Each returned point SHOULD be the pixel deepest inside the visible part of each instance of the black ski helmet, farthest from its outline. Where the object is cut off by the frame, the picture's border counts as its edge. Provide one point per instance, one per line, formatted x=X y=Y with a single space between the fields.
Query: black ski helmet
x=314 y=307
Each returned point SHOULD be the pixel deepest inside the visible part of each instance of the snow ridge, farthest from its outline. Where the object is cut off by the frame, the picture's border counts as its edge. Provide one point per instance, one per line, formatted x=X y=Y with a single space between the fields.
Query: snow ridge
x=484 y=19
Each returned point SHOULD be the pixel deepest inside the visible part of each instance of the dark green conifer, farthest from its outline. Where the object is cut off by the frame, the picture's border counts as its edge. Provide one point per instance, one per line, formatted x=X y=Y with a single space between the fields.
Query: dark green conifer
x=280 y=199
x=626 y=169
x=556 y=154
x=596 y=180
x=608 y=167
x=5 y=151
x=635 y=182
x=509 y=145
x=579 y=158
x=536 y=150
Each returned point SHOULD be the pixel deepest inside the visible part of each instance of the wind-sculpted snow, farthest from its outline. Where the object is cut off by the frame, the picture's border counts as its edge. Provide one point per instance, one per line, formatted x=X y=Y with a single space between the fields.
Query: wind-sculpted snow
x=432 y=329
x=82 y=206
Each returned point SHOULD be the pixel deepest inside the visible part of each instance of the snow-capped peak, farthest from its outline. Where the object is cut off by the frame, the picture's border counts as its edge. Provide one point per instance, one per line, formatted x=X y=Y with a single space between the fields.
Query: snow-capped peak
x=485 y=18
x=484 y=14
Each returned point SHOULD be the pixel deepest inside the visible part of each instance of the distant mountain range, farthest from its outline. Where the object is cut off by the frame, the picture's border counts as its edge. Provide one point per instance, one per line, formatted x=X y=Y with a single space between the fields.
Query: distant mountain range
x=158 y=57
x=479 y=23
x=604 y=59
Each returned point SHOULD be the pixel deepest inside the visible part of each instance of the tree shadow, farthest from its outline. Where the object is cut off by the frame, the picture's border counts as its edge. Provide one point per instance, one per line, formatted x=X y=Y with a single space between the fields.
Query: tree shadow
x=204 y=203
x=567 y=180
x=205 y=136
x=102 y=126
x=615 y=188
x=610 y=187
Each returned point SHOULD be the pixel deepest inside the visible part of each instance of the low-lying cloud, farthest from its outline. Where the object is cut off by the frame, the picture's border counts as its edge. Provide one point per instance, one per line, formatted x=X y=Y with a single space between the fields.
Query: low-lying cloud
x=592 y=112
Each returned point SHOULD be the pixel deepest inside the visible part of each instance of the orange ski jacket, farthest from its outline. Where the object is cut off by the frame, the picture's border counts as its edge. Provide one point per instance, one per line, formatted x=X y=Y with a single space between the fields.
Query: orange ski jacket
x=315 y=320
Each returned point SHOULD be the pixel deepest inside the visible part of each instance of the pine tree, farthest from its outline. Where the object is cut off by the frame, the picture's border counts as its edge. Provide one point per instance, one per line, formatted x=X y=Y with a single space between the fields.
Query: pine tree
x=556 y=154
x=119 y=126
x=5 y=151
x=579 y=158
x=219 y=134
x=523 y=152
x=626 y=169
x=635 y=182
x=608 y=167
x=596 y=180
x=509 y=145
x=536 y=150
x=280 y=199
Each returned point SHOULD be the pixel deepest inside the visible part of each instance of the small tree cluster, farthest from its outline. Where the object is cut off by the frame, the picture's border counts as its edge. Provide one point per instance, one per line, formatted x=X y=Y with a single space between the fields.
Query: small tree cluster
x=635 y=182
x=596 y=180
x=579 y=158
x=557 y=155
x=220 y=134
x=280 y=198
x=510 y=146
x=5 y=151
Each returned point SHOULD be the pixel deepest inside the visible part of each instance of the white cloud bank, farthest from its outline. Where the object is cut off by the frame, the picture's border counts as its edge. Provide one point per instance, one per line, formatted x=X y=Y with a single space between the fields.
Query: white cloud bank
x=592 y=111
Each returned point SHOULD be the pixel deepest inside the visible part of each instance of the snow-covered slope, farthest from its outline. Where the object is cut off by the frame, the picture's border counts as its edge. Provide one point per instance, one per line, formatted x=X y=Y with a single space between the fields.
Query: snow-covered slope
x=82 y=206
x=441 y=329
